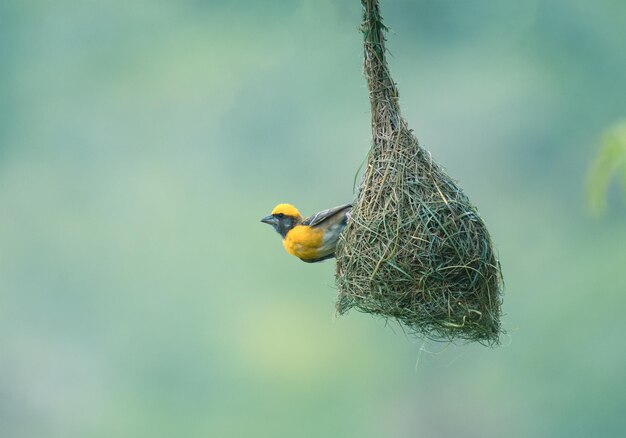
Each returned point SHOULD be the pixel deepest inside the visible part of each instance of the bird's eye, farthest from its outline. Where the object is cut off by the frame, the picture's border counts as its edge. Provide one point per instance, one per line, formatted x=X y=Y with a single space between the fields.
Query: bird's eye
x=280 y=215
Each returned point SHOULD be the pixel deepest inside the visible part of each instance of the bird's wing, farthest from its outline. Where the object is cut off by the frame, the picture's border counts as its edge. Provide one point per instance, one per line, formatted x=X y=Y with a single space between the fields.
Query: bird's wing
x=320 y=217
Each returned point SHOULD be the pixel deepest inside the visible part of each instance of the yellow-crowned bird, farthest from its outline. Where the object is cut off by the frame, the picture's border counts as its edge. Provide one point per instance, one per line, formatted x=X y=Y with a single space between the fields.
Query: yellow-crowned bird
x=312 y=239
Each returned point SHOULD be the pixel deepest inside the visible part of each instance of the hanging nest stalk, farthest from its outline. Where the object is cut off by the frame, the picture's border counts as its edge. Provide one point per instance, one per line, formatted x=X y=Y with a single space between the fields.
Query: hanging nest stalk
x=415 y=248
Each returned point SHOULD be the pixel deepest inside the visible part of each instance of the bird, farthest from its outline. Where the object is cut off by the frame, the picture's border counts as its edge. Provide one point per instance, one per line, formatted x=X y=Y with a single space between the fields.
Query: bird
x=313 y=239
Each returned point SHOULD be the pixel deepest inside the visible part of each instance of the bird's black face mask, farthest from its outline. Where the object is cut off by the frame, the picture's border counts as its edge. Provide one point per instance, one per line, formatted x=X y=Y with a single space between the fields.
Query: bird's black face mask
x=281 y=223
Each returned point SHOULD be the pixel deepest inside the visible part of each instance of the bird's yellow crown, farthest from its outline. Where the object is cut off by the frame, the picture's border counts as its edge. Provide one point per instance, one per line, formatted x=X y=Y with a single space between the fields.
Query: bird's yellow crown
x=287 y=210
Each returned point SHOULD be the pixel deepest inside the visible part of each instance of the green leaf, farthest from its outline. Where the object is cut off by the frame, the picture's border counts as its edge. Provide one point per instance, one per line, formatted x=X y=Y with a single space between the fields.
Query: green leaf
x=610 y=161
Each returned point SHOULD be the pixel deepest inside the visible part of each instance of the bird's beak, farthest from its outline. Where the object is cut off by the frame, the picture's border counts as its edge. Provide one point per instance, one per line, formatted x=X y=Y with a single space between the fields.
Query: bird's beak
x=270 y=220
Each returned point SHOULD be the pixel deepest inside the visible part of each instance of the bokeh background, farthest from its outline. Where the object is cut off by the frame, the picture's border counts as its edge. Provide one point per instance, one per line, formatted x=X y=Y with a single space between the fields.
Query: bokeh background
x=141 y=142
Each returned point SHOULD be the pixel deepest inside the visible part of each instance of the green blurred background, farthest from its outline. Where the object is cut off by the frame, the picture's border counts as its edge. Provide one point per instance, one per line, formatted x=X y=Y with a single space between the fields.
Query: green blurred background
x=141 y=142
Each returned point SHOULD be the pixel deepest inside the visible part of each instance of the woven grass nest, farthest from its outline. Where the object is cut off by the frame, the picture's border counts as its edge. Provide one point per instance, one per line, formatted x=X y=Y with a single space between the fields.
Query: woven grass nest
x=415 y=248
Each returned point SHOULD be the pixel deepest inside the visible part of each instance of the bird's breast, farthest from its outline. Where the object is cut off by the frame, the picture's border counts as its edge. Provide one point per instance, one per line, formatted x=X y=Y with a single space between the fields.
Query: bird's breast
x=304 y=242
